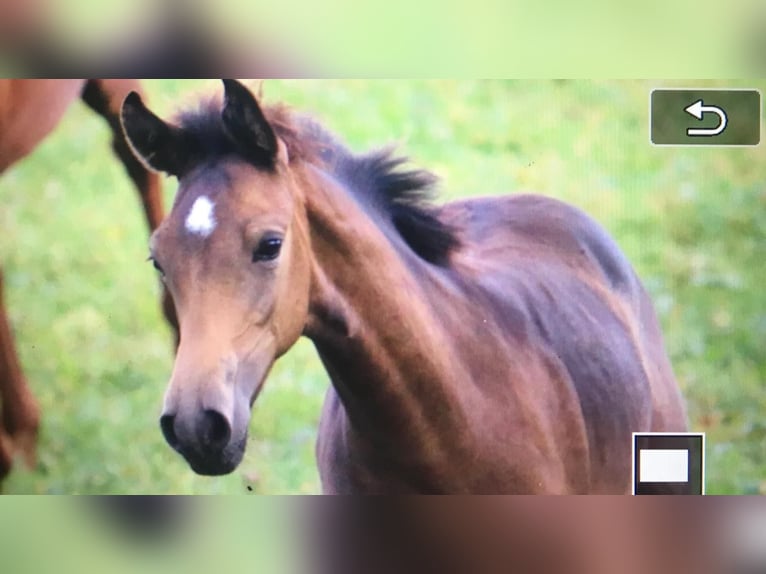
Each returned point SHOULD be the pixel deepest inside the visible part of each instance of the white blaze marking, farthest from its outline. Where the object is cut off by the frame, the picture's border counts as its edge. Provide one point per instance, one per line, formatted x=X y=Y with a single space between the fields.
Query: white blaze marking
x=201 y=219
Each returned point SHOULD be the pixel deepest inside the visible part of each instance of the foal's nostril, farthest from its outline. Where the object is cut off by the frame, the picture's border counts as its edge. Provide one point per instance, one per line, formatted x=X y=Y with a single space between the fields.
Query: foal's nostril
x=167 y=424
x=213 y=429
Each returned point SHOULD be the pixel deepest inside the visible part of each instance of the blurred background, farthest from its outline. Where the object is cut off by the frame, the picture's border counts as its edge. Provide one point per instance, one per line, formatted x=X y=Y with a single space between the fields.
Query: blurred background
x=85 y=304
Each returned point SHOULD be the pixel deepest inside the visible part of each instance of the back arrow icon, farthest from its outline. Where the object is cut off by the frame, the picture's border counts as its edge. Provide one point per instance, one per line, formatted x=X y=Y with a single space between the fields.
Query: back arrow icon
x=698 y=109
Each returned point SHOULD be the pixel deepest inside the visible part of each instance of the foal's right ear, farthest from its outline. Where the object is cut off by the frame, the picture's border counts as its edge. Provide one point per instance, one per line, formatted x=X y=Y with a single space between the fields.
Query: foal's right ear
x=246 y=124
x=159 y=146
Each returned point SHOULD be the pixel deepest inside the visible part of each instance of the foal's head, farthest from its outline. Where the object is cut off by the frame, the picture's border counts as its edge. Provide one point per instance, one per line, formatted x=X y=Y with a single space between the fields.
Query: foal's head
x=234 y=255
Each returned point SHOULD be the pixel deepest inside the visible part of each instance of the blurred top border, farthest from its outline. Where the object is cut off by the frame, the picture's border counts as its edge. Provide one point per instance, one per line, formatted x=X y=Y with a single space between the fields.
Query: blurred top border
x=293 y=38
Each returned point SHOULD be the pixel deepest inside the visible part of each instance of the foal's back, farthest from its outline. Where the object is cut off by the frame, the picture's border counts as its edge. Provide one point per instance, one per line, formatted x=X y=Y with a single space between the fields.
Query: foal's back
x=570 y=298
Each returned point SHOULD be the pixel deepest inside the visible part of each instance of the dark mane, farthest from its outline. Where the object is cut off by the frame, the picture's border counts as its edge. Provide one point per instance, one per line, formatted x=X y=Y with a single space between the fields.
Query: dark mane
x=405 y=196
x=402 y=196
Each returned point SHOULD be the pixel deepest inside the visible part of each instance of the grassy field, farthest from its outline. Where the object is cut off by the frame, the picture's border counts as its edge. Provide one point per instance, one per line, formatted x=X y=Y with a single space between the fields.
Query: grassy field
x=84 y=303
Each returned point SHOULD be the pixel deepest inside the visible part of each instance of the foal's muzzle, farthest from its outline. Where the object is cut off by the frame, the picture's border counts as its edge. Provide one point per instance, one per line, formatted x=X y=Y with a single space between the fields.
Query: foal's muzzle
x=204 y=438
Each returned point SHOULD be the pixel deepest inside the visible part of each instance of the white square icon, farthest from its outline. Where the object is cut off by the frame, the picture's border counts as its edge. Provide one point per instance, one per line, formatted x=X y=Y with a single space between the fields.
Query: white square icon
x=664 y=465
x=669 y=463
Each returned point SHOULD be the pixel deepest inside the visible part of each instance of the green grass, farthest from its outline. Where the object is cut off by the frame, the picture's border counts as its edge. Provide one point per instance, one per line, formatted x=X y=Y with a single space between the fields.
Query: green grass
x=84 y=303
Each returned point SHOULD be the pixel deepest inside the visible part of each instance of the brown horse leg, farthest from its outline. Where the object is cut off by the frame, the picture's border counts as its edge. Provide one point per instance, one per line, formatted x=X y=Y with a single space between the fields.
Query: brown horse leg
x=105 y=97
x=6 y=457
x=20 y=415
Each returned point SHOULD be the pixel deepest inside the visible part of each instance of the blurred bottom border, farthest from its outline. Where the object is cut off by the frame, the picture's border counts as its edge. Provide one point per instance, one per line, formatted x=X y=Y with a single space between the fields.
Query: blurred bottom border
x=312 y=535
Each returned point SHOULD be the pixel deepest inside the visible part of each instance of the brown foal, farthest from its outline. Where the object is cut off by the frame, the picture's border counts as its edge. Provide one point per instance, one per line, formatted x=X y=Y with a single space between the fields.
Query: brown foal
x=493 y=345
x=29 y=111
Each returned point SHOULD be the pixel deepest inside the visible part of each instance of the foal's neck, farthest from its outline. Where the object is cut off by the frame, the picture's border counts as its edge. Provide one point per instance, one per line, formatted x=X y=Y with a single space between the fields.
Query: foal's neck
x=376 y=331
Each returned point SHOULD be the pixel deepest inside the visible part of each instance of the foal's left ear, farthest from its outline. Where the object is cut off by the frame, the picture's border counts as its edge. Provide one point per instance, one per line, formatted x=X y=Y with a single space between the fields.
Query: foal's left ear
x=245 y=123
x=158 y=145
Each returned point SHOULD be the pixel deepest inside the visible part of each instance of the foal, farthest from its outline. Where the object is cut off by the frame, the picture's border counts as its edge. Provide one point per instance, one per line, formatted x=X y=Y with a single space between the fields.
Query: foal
x=29 y=111
x=498 y=345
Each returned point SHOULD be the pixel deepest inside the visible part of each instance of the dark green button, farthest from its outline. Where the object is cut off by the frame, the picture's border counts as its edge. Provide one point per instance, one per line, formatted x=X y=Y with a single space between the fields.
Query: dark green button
x=706 y=117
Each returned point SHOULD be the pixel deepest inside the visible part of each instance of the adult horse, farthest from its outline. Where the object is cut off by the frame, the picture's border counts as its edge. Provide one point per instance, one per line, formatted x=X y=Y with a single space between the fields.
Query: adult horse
x=499 y=344
x=29 y=111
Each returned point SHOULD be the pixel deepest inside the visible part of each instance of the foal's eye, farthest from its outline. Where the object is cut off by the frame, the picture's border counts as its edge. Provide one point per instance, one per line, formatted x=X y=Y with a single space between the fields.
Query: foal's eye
x=268 y=249
x=156 y=265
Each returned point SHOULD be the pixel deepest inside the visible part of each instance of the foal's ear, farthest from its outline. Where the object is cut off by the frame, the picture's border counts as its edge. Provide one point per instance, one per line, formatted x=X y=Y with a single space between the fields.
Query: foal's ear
x=159 y=146
x=245 y=123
